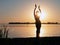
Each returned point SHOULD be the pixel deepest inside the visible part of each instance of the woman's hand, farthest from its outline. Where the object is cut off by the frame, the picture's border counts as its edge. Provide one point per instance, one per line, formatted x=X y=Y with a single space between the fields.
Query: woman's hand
x=35 y=6
x=39 y=7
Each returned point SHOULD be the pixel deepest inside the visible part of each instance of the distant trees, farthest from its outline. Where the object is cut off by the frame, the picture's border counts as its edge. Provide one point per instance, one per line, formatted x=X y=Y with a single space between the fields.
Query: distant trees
x=33 y=23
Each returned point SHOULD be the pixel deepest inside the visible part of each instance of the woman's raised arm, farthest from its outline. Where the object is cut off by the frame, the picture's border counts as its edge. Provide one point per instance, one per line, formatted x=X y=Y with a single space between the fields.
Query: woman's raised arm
x=35 y=9
x=39 y=9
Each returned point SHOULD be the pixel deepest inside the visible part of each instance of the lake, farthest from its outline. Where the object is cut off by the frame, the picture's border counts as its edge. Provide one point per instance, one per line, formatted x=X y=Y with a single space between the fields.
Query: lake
x=29 y=30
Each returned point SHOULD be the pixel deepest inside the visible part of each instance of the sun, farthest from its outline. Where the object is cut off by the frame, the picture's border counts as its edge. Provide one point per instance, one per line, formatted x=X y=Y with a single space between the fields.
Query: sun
x=42 y=14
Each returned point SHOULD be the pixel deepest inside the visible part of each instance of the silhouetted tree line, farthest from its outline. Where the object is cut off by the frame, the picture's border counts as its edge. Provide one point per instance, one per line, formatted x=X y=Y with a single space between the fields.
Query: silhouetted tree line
x=32 y=23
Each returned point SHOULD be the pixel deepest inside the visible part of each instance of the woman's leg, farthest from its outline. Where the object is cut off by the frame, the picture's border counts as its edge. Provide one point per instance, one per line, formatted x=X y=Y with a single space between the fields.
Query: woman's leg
x=37 y=32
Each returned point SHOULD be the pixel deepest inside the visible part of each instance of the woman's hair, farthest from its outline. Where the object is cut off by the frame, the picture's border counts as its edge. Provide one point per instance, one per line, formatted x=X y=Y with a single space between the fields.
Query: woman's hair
x=37 y=11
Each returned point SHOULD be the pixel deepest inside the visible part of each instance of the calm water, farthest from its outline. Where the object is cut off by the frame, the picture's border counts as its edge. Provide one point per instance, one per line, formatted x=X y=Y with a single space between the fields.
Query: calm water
x=29 y=30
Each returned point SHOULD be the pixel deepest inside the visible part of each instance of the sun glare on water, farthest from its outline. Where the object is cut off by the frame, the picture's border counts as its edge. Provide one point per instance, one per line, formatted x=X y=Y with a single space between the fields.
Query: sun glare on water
x=42 y=32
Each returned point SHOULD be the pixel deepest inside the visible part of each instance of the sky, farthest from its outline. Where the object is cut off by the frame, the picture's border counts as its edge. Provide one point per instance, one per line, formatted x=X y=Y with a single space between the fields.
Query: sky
x=22 y=10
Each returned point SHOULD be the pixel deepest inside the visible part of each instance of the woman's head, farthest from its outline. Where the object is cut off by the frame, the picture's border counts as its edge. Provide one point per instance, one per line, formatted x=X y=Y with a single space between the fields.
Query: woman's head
x=37 y=11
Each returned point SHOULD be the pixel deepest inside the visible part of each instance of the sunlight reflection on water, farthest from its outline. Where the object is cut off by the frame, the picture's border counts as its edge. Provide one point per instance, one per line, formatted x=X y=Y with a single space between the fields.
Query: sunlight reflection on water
x=29 y=30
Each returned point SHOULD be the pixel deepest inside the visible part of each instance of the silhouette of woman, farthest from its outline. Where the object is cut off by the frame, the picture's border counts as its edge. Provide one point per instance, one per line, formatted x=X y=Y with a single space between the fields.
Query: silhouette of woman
x=37 y=21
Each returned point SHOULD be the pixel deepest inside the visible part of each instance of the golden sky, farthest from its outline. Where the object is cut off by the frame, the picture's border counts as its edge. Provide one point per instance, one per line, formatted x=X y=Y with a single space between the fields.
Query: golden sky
x=22 y=10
